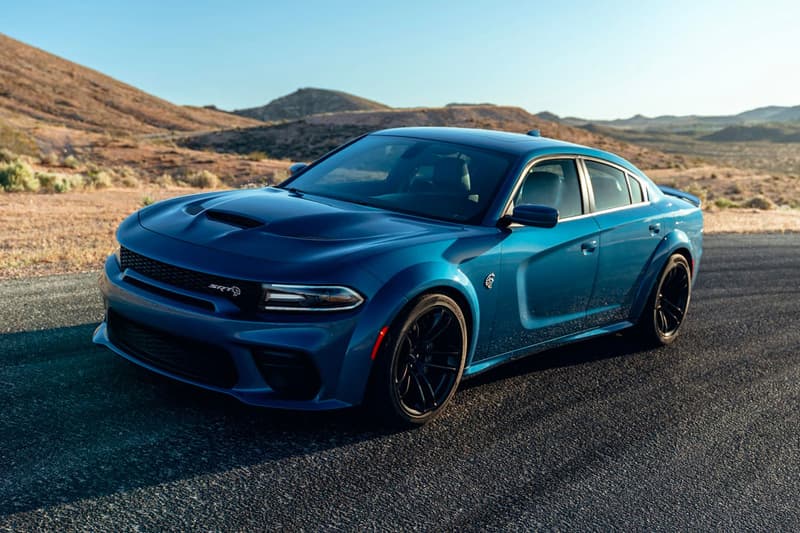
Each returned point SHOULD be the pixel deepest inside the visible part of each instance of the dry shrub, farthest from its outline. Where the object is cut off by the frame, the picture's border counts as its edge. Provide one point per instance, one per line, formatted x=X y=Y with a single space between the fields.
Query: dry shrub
x=71 y=161
x=59 y=183
x=17 y=177
x=759 y=202
x=203 y=179
x=165 y=180
x=725 y=203
x=7 y=156
x=130 y=182
x=51 y=159
x=98 y=179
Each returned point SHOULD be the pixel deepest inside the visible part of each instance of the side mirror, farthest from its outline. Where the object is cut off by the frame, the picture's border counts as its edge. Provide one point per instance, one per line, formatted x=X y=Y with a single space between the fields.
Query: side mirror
x=296 y=167
x=540 y=216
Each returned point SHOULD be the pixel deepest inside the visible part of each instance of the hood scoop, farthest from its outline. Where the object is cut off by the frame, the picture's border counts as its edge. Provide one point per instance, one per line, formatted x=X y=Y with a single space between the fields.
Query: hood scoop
x=233 y=219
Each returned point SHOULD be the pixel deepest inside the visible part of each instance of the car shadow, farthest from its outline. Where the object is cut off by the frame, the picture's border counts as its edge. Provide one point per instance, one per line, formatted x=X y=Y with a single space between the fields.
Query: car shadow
x=80 y=422
x=587 y=351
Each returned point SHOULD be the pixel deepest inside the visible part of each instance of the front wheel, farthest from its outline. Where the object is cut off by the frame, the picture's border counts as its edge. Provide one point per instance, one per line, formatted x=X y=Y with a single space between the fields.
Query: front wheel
x=666 y=310
x=421 y=362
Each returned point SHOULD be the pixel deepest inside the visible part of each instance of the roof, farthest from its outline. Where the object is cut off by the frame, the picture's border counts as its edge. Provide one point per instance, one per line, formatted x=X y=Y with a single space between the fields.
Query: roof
x=518 y=144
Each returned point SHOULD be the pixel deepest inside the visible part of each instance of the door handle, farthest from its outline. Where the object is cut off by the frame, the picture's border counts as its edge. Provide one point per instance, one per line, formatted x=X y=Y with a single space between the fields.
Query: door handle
x=655 y=229
x=588 y=247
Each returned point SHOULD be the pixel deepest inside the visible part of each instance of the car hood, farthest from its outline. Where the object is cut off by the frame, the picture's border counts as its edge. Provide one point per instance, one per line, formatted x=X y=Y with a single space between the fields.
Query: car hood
x=277 y=225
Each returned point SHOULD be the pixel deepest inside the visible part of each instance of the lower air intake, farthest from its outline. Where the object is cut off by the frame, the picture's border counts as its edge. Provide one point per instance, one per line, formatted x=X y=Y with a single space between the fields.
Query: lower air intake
x=190 y=359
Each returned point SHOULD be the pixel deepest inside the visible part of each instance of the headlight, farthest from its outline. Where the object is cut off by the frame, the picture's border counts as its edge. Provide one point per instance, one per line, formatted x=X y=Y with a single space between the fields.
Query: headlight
x=308 y=298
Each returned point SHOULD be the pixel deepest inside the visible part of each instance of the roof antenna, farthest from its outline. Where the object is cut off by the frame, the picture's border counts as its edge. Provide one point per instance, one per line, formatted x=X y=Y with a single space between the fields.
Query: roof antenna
x=535 y=133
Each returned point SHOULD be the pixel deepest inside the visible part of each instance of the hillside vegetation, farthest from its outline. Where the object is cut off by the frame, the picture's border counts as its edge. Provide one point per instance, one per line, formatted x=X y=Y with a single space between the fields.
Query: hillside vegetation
x=64 y=124
x=313 y=136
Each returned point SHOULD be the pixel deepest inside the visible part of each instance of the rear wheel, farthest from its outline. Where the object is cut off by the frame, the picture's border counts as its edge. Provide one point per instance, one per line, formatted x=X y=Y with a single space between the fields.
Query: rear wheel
x=421 y=362
x=664 y=315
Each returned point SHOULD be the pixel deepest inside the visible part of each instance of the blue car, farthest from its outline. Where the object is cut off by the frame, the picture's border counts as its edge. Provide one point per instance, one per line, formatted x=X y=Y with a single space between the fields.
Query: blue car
x=396 y=265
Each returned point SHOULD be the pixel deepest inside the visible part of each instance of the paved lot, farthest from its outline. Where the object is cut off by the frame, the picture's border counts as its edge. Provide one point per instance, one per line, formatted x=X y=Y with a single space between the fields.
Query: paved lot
x=704 y=434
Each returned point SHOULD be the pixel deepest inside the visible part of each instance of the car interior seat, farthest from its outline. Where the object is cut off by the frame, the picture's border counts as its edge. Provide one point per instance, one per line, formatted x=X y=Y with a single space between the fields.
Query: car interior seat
x=541 y=188
x=608 y=193
x=451 y=175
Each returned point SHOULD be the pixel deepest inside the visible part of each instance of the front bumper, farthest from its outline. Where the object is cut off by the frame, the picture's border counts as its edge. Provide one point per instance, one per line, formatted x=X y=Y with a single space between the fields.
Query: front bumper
x=329 y=342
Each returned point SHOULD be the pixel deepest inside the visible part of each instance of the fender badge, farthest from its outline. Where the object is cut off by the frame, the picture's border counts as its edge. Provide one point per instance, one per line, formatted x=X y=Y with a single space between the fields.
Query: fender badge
x=232 y=290
x=489 y=281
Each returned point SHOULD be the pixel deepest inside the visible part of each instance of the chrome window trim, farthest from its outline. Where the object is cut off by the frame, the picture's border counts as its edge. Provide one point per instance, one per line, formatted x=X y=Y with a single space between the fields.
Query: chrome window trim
x=524 y=173
x=645 y=192
x=627 y=172
x=587 y=193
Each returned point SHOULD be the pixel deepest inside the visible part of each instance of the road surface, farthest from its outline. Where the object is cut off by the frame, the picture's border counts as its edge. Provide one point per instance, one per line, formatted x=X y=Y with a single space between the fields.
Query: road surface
x=600 y=435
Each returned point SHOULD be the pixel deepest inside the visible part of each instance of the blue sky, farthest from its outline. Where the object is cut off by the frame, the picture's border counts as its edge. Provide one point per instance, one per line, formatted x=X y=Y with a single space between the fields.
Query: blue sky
x=602 y=59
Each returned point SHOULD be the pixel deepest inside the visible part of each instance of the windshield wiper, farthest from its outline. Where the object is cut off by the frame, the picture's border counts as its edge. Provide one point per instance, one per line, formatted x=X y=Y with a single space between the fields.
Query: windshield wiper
x=295 y=191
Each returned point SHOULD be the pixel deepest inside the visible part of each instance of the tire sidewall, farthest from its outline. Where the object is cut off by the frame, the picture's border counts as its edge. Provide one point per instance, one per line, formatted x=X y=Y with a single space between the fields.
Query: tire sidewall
x=674 y=261
x=384 y=390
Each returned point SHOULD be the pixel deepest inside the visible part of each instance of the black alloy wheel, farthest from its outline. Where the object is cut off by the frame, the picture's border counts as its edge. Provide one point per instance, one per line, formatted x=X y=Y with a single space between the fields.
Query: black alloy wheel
x=662 y=320
x=421 y=362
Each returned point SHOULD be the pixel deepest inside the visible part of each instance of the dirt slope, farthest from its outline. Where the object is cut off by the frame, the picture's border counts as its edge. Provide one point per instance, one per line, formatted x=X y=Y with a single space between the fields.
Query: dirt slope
x=38 y=85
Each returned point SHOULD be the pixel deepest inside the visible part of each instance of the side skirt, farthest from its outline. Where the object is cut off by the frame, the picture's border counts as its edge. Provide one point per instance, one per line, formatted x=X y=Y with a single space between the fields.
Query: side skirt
x=513 y=355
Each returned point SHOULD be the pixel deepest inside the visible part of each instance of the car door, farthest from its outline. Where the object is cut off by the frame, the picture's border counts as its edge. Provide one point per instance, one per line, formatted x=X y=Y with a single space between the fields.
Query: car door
x=547 y=274
x=630 y=231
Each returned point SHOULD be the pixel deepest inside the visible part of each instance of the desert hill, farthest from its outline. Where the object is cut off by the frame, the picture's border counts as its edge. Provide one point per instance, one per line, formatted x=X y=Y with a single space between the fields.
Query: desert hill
x=309 y=101
x=38 y=86
x=753 y=117
x=312 y=136
x=772 y=133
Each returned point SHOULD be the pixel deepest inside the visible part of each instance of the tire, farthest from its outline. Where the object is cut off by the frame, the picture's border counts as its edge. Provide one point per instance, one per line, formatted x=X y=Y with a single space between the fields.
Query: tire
x=666 y=309
x=420 y=364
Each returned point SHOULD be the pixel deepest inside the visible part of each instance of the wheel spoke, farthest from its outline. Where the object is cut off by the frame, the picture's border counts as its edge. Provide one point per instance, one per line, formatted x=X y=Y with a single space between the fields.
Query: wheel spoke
x=404 y=375
x=439 y=326
x=427 y=384
x=671 y=317
x=672 y=309
x=405 y=385
x=448 y=353
x=415 y=378
x=448 y=368
x=662 y=321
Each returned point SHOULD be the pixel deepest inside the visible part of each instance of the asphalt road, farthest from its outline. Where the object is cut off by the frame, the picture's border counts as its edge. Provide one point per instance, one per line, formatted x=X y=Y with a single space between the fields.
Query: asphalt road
x=600 y=435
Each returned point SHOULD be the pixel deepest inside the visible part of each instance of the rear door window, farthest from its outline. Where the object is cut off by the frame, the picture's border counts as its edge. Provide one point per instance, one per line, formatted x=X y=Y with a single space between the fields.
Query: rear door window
x=610 y=186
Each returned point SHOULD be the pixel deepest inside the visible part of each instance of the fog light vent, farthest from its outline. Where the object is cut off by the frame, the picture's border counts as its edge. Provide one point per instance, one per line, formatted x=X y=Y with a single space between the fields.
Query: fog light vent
x=290 y=374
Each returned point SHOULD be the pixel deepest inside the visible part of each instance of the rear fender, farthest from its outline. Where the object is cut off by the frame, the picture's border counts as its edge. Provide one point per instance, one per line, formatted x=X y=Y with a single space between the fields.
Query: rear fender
x=672 y=242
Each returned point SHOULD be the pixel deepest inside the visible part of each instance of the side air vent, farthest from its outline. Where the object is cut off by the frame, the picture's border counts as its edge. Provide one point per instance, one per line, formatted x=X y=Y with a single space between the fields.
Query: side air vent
x=233 y=219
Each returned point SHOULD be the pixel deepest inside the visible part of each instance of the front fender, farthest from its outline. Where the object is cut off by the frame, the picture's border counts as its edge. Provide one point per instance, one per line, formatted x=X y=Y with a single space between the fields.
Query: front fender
x=674 y=241
x=386 y=305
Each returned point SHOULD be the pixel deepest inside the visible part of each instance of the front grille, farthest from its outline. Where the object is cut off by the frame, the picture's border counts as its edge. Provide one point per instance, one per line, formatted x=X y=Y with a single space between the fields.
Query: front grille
x=193 y=360
x=245 y=294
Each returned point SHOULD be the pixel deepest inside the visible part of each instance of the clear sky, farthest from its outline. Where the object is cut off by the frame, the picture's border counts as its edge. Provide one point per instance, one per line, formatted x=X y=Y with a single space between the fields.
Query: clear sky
x=595 y=59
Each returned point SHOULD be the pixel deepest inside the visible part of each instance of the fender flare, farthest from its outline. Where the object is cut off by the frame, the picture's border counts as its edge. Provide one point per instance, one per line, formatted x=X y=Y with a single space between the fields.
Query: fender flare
x=670 y=244
x=388 y=303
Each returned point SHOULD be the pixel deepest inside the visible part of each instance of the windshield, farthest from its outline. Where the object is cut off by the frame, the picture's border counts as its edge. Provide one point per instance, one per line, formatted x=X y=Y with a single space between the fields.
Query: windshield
x=418 y=176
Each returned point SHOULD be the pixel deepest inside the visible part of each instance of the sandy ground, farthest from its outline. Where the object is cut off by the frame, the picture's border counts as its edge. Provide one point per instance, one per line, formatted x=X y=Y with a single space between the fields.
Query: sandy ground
x=42 y=234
